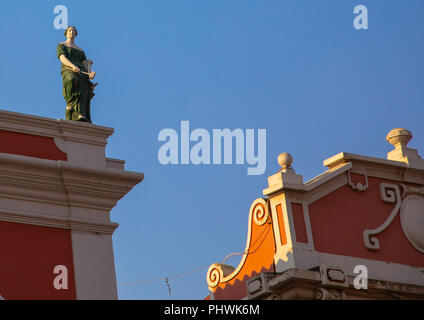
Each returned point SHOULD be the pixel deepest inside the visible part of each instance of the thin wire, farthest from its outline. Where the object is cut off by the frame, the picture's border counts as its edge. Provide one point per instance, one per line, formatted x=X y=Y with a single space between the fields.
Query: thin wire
x=247 y=250
x=202 y=267
x=169 y=287
x=164 y=278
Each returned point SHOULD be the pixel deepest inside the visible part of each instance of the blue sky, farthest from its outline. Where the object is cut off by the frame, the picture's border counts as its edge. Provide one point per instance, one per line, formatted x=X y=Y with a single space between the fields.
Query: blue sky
x=295 y=68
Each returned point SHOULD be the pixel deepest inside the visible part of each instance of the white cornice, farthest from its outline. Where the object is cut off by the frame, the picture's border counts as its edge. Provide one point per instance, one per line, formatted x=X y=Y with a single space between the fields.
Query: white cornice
x=70 y=223
x=34 y=178
x=61 y=194
x=68 y=130
x=343 y=157
x=76 y=194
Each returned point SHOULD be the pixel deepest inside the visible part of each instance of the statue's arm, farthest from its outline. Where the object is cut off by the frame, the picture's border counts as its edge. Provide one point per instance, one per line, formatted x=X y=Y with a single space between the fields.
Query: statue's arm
x=87 y=64
x=68 y=63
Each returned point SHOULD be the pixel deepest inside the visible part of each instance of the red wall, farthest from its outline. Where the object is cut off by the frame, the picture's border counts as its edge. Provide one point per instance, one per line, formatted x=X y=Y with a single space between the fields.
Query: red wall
x=339 y=219
x=28 y=256
x=30 y=145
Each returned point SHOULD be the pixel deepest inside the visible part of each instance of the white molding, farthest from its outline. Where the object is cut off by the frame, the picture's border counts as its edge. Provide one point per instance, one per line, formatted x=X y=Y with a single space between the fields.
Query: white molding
x=348 y=157
x=378 y=270
x=323 y=190
x=305 y=214
x=358 y=186
x=282 y=251
x=94 y=266
x=308 y=226
x=60 y=194
x=57 y=222
x=30 y=178
x=327 y=176
x=86 y=133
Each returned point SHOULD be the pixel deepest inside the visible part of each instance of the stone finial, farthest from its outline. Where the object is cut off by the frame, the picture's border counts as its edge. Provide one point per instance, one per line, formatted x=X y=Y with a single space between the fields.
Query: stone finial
x=399 y=137
x=285 y=178
x=285 y=160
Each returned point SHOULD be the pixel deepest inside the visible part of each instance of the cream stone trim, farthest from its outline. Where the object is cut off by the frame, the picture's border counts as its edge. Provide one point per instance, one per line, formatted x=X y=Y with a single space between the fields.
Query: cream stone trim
x=379 y=270
x=358 y=186
x=300 y=284
x=327 y=176
x=69 y=223
x=82 y=196
x=115 y=163
x=94 y=266
x=310 y=244
x=342 y=162
x=67 y=130
x=280 y=256
x=308 y=186
x=389 y=193
x=97 y=181
x=324 y=189
x=333 y=178
x=344 y=157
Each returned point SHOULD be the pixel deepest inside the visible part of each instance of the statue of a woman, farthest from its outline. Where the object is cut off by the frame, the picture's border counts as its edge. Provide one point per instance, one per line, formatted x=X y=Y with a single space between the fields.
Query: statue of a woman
x=76 y=75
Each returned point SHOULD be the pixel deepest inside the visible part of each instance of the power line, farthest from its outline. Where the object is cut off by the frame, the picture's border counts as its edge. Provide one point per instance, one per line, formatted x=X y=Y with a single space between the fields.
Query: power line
x=247 y=250
x=166 y=279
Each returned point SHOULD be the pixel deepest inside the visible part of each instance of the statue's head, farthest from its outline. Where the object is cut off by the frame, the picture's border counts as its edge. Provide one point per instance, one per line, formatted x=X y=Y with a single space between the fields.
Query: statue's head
x=74 y=31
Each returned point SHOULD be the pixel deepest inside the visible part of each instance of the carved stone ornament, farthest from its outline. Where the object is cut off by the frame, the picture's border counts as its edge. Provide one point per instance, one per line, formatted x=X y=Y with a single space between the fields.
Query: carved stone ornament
x=329 y=294
x=274 y=296
x=358 y=186
x=412 y=220
x=411 y=209
x=389 y=193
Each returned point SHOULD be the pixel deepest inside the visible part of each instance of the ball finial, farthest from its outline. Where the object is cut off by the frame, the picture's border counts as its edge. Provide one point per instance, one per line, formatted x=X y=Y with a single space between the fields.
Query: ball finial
x=399 y=136
x=285 y=160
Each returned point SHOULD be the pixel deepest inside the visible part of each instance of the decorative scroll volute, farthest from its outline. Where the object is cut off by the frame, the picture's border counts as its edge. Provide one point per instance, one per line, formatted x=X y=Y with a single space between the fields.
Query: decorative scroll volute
x=260 y=212
x=217 y=272
x=259 y=215
x=411 y=207
x=389 y=193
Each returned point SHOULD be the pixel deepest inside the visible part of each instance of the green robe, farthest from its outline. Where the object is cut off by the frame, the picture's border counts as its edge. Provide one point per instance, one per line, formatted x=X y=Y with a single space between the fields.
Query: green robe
x=77 y=89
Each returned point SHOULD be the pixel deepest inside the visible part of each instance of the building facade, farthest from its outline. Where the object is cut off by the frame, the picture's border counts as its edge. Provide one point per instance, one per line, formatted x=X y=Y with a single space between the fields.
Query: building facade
x=355 y=231
x=56 y=193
